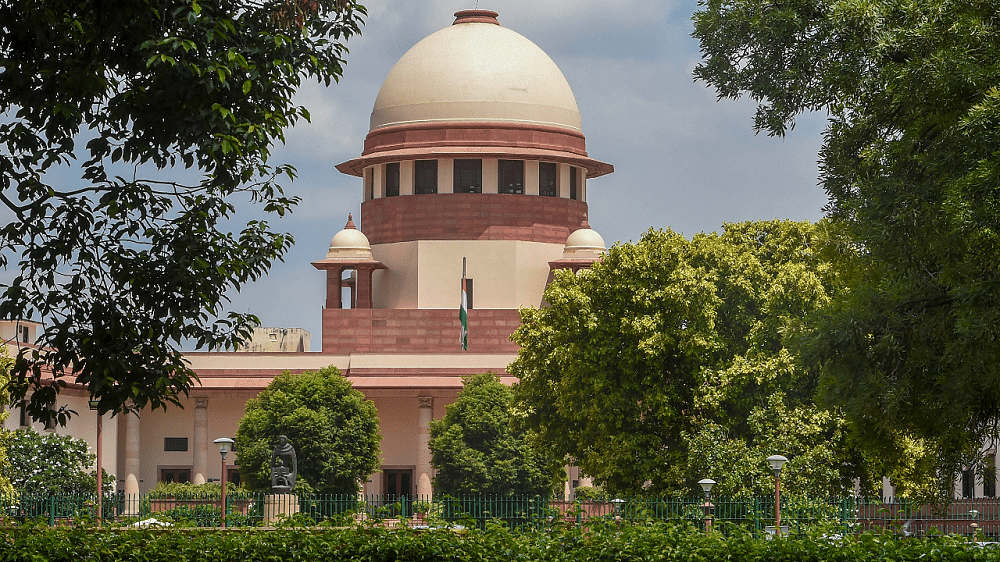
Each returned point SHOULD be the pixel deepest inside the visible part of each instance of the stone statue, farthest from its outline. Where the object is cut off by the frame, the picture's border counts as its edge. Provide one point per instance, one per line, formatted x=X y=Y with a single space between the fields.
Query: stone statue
x=282 y=475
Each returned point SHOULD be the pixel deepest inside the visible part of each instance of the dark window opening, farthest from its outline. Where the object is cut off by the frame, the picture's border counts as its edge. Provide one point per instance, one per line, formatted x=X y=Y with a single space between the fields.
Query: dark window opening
x=397 y=483
x=175 y=443
x=392 y=179
x=468 y=176
x=968 y=483
x=24 y=334
x=572 y=182
x=511 y=176
x=547 y=179
x=25 y=420
x=425 y=177
x=233 y=476
x=370 y=184
x=180 y=475
x=990 y=477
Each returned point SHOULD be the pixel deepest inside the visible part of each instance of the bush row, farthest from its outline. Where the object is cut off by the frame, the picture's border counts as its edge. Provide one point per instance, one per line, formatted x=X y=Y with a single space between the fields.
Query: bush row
x=598 y=543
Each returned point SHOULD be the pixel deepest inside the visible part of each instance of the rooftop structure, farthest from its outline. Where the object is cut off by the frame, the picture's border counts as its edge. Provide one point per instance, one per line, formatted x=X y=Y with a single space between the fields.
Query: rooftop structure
x=476 y=153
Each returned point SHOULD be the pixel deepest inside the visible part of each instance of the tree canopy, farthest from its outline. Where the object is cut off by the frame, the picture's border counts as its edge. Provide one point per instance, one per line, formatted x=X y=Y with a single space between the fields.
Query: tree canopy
x=5 y=365
x=476 y=450
x=911 y=166
x=666 y=362
x=130 y=130
x=333 y=427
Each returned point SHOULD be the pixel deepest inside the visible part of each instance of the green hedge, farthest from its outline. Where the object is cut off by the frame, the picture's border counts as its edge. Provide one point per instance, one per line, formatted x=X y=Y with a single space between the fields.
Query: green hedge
x=599 y=543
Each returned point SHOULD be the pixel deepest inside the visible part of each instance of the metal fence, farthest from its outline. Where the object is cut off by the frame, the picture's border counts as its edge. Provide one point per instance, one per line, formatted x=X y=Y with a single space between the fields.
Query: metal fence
x=980 y=517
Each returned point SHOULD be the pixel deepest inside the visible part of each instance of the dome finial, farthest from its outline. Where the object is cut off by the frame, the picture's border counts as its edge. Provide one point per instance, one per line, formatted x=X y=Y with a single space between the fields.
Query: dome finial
x=350 y=243
x=476 y=16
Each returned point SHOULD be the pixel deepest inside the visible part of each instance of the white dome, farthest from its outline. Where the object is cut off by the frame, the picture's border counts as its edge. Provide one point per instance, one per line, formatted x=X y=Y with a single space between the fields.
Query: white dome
x=476 y=71
x=584 y=243
x=350 y=243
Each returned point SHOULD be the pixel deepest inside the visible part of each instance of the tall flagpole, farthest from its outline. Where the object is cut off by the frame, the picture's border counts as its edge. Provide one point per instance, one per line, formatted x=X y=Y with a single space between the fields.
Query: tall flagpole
x=463 y=313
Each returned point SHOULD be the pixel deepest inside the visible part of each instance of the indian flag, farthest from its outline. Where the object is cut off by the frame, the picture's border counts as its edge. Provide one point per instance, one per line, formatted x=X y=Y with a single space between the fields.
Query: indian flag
x=463 y=313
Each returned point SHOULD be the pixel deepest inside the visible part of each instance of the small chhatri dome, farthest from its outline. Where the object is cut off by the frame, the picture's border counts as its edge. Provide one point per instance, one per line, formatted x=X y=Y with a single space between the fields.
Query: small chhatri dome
x=476 y=71
x=584 y=243
x=349 y=243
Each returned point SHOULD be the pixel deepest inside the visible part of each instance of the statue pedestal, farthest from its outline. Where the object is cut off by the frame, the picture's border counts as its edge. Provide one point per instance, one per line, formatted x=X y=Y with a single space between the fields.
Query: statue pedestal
x=278 y=505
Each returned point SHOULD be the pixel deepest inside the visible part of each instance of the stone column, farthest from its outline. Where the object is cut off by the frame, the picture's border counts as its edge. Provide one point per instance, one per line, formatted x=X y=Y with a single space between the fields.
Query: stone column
x=363 y=287
x=200 y=462
x=424 y=416
x=334 y=284
x=132 y=467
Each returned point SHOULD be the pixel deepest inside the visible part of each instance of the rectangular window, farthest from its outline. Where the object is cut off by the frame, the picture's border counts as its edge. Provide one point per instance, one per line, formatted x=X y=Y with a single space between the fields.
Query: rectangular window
x=425 y=177
x=572 y=182
x=511 y=176
x=397 y=483
x=181 y=475
x=25 y=420
x=468 y=176
x=233 y=476
x=547 y=179
x=175 y=444
x=370 y=184
x=24 y=334
x=990 y=477
x=392 y=179
x=968 y=483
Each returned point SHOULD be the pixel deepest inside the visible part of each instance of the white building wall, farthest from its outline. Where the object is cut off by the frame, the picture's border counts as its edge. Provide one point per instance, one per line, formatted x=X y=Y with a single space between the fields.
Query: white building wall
x=225 y=409
x=506 y=274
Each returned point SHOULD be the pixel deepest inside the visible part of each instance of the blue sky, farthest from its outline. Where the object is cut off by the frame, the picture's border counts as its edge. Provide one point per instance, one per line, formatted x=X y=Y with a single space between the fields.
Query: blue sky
x=682 y=160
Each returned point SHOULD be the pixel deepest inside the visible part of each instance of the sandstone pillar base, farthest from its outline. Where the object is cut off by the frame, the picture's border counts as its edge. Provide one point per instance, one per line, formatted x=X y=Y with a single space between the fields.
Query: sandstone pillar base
x=279 y=505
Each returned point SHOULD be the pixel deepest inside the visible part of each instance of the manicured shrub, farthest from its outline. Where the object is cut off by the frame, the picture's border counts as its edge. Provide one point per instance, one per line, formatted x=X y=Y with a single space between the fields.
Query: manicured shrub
x=601 y=542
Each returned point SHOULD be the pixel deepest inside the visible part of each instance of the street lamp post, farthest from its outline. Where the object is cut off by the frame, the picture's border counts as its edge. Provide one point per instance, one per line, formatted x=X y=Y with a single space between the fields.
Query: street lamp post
x=618 y=503
x=224 y=444
x=706 y=485
x=94 y=406
x=776 y=462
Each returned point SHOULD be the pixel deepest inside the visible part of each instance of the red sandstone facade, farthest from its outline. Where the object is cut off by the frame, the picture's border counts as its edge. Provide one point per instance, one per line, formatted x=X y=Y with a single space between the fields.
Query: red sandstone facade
x=463 y=163
x=417 y=331
x=471 y=216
